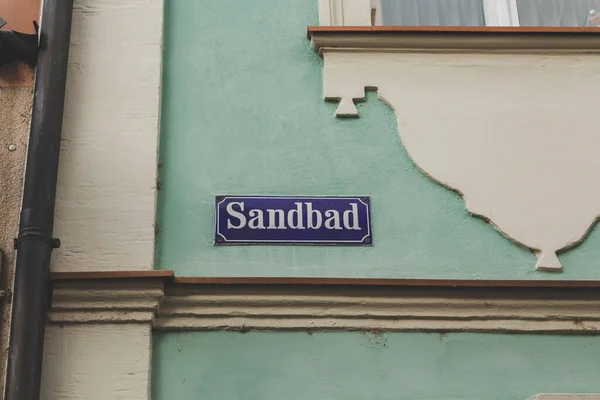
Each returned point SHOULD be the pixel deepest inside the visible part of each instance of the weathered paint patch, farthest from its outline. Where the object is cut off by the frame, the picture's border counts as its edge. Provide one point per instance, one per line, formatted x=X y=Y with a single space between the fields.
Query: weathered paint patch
x=243 y=113
x=384 y=366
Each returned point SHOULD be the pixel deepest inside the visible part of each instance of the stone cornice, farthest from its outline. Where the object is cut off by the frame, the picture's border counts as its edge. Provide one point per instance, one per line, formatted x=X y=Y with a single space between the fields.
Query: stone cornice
x=105 y=302
x=455 y=39
x=247 y=304
x=375 y=308
x=107 y=296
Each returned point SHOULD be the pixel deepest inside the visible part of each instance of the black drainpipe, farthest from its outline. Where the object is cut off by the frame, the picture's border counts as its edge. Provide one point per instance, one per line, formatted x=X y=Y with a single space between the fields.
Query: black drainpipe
x=31 y=294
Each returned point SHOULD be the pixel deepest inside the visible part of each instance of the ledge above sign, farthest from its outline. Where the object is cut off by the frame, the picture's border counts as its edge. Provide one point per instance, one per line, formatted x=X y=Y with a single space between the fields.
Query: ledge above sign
x=297 y=220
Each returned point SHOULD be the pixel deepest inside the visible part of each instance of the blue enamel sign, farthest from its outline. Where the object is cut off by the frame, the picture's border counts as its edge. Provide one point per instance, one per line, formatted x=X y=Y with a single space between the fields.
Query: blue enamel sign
x=293 y=220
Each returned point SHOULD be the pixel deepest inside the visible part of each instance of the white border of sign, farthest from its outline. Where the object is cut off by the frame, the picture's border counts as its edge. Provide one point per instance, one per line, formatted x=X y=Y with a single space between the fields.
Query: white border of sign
x=315 y=242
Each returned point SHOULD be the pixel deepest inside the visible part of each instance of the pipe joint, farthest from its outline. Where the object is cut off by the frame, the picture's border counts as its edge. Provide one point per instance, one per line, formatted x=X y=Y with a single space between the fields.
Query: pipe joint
x=39 y=235
x=37 y=224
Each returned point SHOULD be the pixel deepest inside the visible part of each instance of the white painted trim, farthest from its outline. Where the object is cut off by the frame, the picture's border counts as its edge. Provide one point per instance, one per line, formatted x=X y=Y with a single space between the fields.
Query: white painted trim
x=324 y=13
x=345 y=12
x=496 y=12
x=336 y=8
x=501 y=12
x=331 y=13
x=514 y=13
x=202 y=307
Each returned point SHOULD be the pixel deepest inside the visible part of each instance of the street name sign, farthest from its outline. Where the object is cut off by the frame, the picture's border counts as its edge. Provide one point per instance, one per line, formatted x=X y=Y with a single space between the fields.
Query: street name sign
x=335 y=220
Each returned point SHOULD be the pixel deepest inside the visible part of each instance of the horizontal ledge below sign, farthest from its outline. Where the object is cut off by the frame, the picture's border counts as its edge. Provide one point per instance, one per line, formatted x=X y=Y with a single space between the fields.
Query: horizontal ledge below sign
x=313 y=324
x=174 y=305
x=389 y=282
x=469 y=39
x=169 y=276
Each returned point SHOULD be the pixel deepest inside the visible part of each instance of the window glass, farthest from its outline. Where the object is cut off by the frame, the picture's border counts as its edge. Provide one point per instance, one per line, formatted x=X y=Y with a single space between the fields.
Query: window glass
x=559 y=12
x=432 y=12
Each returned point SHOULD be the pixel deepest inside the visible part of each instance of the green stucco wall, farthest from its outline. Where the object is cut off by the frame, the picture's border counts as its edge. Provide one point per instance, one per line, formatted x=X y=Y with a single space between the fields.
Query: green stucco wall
x=361 y=366
x=243 y=113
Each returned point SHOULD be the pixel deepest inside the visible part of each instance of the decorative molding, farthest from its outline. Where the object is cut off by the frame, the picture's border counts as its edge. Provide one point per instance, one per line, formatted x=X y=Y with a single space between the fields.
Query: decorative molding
x=105 y=302
x=456 y=39
x=205 y=307
x=122 y=275
x=305 y=304
x=502 y=148
x=117 y=313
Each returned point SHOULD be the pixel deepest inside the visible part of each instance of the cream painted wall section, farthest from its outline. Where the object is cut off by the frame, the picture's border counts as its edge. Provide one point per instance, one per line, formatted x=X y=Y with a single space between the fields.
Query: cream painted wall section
x=515 y=134
x=106 y=192
x=107 y=176
x=97 y=362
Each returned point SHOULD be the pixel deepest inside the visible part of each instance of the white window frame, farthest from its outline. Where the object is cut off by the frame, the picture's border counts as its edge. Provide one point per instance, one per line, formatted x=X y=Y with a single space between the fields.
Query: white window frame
x=365 y=12
x=500 y=12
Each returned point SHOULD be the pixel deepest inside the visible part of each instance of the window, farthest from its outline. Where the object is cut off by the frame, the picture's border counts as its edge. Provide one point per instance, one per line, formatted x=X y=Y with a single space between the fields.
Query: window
x=432 y=12
x=573 y=13
x=559 y=12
